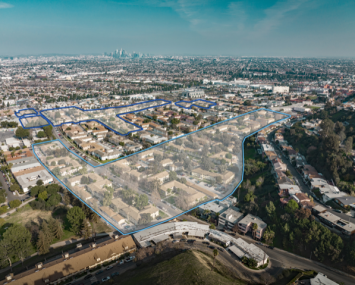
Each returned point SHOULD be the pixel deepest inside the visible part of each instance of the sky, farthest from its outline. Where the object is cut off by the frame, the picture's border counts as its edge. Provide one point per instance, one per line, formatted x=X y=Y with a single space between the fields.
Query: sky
x=292 y=28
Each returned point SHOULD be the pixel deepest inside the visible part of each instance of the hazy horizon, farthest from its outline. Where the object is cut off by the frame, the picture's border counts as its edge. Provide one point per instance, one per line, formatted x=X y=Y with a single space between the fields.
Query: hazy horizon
x=285 y=28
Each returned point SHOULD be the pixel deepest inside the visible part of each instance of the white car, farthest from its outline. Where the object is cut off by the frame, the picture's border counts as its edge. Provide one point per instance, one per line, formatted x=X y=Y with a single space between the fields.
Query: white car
x=121 y=262
x=105 y=279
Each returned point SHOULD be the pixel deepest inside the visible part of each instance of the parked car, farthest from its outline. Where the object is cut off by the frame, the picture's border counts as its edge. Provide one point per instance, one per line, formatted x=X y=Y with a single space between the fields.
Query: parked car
x=114 y=274
x=259 y=243
x=121 y=262
x=96 y=283
x=338 y=211
x=88 y=276
x=175 y=240
x=109 y=267
x=183 y=239
x=206 y=242
x=105 y=279
x=211 y=247
x=99 y=272
x=129 y=258
x=220 y=249
x=271 y=247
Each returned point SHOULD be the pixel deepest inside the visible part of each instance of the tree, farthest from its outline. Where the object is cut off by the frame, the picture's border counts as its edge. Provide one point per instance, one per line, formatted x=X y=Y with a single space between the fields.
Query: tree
x=43 y=196
x=146 y=218
x=57 y=229
x=270 y=209
x=41 y=134
x=215 y=254
x=254 y=228
x=15 y=203
x=86 y=229
x=15 y=187
x=348 y=145
x=48 y=130
x=172 y=175
x=75 y=217
x=5 y=253
x=269 y=234
x=213 y=226
x=19 y=239
x=291 y=206
x=39 y=182
x=43 y=243
x=22 y=133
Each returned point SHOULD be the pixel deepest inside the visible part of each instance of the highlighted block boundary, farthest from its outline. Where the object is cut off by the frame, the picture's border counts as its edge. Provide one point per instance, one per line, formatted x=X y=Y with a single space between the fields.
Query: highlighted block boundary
x=194 y=105
x=167 y=102
x=222 y=199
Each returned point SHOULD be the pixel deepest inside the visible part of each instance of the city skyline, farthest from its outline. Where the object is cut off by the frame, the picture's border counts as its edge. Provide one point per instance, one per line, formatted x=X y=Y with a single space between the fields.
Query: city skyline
x=304 y=28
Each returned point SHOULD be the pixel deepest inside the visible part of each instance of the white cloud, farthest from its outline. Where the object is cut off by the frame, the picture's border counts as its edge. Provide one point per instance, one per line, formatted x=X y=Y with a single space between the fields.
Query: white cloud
x=5 y=5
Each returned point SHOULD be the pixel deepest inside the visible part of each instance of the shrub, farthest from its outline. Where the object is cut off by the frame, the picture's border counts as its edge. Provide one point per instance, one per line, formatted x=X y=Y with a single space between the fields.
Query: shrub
x=15 y=203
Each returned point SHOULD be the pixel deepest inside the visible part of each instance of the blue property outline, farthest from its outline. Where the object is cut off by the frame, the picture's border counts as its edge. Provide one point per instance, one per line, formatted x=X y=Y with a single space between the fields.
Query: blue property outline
x=167 y=102
x=20 y=116
x=214 y=200
x=32 y=116
x=194 y=105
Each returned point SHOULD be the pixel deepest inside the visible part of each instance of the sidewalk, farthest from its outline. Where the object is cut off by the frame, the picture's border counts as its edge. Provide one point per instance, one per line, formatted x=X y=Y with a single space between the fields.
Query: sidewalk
x=14 y=210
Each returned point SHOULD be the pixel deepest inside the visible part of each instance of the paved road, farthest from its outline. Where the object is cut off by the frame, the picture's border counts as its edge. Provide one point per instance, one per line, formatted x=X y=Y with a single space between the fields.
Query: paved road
x=116 y=268
x=10 y=195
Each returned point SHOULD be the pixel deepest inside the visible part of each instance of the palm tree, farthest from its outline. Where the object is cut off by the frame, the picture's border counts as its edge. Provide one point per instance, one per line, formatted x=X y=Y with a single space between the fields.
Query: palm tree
x=254 y=227
x=215 y=253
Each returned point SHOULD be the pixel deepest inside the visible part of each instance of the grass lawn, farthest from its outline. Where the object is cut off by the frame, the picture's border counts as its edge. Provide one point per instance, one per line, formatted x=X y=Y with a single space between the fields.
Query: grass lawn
x=170 y=200
x=314 y=107
x=162 y=214
x=190 y=267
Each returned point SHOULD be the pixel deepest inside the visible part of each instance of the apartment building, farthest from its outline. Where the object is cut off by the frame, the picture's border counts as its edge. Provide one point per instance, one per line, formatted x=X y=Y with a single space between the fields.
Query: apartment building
x=230 y=217
x=246 y=224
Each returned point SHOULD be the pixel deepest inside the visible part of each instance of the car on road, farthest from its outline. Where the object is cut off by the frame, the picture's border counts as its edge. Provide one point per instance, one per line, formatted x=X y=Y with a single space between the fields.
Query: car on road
x=338 y=211
x=271 y=247
x=99 y=272
x=220 y=249
x=121 y=262
x=328 y=207
x=88 y=276
x=129 y=258
x=115 y=274
x=206 y=242
x=109 y=267
x=105 y=279
x=211 y=247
